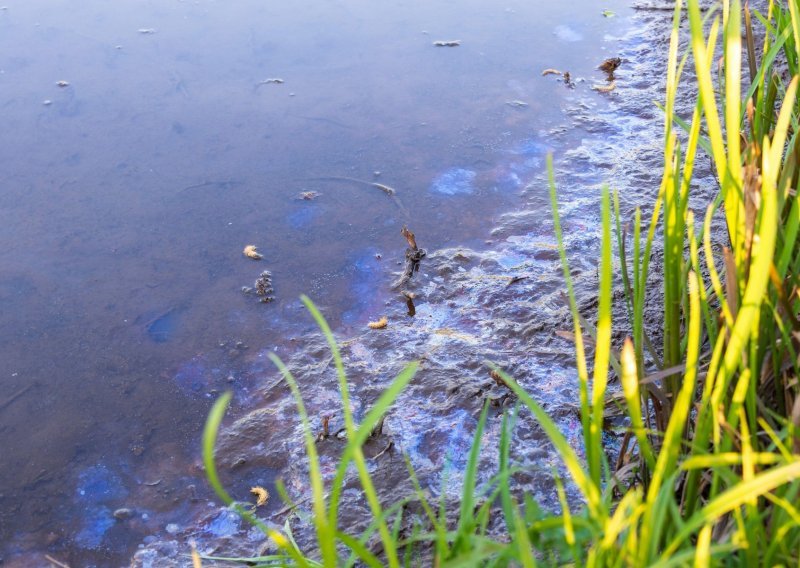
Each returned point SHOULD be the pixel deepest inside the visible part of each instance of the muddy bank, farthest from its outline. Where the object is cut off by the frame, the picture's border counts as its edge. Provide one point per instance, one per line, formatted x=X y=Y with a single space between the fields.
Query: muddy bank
x=500 y=301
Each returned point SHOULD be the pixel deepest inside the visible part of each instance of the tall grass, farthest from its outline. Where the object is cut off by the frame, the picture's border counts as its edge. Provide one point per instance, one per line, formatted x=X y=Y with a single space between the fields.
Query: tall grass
x=711 y=469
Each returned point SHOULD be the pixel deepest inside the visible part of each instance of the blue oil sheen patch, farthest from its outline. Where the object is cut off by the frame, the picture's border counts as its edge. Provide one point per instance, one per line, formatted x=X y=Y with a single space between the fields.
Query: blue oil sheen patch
x=225 y=524
x=530 y=147
x=512 y=260
x=455 y=181
x=163 y=328
x=99 y=484
x=191 y=376
x=459 y=441
x=96 y=522
x=303 y=217
x=364 y=281
x=97 y=487
x=508 y=181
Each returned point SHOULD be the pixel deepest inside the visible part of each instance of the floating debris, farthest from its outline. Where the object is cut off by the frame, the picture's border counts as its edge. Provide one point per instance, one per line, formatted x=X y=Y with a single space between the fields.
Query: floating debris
x=272 y=81
x=62 y=84
x=605 y=88
x=147 y=31
x=389 y=191
x=608 y=14
x=549 y=71
x=384 y=188
x=447 y=43
x=15 y=396
x=326 y=428
x=122 y=514
x=380 y=324
x=264 y=288
x=309 y=195
x=262 y=495
x=414 y=256
x=610 y=65
x=568 y=80
x=251 y=251
x=47 y=102
x=517 y=104
x=498 y=379
x=47 y=557
x=412 y=310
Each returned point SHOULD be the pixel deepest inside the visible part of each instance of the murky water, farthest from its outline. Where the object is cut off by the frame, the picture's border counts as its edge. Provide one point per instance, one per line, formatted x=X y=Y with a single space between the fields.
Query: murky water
x=184 y=131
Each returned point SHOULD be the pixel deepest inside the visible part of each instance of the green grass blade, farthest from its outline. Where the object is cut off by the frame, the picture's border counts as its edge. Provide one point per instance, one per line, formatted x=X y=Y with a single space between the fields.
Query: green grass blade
x=466 y=520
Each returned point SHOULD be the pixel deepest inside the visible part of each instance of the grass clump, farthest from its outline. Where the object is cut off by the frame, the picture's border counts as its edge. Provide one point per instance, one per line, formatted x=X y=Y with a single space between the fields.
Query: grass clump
x=710 y=471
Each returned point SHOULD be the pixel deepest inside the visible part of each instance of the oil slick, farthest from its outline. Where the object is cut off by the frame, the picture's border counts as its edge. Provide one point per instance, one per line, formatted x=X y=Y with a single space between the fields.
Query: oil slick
x=414 y=256
x=455 y=181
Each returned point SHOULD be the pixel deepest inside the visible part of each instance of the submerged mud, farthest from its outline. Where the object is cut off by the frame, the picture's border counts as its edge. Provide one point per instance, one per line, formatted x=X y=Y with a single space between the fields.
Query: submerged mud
x=502 y=301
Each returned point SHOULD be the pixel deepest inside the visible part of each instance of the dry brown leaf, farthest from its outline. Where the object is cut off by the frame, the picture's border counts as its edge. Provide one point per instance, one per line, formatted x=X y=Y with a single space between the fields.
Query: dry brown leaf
x=498 y=379
x=380 y=324
x=410 y=238
x=605 y=88
x=550 y=72
x=261 y=495
x=251 y=251
x=610 y=65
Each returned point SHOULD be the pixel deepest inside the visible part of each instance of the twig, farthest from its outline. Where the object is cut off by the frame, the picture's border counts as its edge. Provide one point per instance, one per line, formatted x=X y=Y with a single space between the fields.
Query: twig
x=16 y=395
x=56 y=562
x=384 y=450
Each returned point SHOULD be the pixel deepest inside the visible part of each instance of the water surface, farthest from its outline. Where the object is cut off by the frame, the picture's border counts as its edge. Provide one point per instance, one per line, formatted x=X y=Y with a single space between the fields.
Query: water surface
x=128 y=192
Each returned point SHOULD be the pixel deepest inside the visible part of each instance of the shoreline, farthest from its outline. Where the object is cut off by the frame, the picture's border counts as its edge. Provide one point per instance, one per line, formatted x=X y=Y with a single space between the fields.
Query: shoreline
x=465 y=308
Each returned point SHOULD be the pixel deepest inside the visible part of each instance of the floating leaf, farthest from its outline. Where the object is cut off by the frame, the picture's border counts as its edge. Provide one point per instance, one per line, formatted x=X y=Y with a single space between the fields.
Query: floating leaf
x=380 y=324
